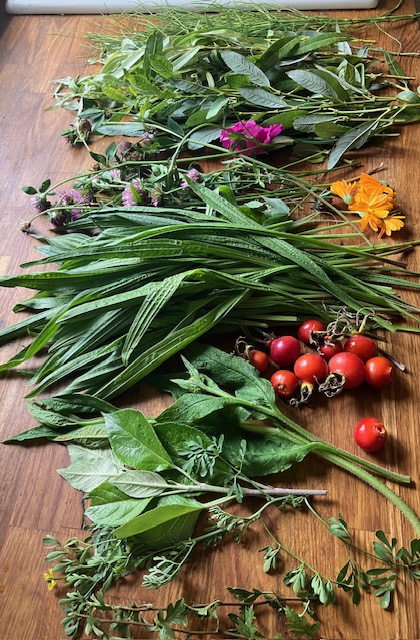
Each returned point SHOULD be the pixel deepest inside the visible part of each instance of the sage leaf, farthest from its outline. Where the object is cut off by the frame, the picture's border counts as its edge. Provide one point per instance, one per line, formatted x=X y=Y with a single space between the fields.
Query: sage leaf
x=198 y=139
x=312 y=83
x=135 y=442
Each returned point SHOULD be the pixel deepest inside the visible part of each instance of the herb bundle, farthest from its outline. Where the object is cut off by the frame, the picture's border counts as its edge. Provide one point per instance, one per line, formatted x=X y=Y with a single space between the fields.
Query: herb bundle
x=320 y=86
x=156 y=254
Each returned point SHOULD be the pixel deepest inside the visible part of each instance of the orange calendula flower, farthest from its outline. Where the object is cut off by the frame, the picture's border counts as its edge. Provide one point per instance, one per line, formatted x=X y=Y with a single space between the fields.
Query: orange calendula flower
x=372 y=201
x=390 y=224
x=49 y=577
x=344 y=190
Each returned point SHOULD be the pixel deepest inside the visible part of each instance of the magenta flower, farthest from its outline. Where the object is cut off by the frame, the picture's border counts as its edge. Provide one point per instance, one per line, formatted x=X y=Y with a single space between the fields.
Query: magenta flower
x=249 y=137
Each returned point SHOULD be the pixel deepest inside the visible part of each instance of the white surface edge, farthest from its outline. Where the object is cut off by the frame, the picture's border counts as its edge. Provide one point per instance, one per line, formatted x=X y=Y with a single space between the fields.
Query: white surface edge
x=75 y=7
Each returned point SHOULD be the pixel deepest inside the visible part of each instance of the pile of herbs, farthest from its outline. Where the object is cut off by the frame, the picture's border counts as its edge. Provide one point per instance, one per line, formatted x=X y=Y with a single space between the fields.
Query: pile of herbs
x=223 y=253
x=186 y=80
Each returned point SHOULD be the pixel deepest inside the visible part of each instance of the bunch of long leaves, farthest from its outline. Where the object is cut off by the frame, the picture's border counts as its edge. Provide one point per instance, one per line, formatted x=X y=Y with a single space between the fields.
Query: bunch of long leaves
x=185 y=88
x=156 y=279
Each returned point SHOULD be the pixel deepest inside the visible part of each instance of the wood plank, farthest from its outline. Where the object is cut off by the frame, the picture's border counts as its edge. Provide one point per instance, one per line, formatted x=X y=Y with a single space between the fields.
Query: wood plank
x=36 y=501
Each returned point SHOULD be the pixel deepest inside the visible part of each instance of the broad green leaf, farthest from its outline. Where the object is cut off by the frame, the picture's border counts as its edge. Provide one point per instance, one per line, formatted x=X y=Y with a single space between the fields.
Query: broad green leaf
x=277 y=51
x=266 y=454
x=234 y=373
x=90 y=467
x=320 y=42
x=262 y=98
x=239 y=64
x=33 y=434
x=89 y=436
x=135 y=442
x=306 y=123
x=110 y=507
x=141 y=484
x=165 y=524
x=121 y=129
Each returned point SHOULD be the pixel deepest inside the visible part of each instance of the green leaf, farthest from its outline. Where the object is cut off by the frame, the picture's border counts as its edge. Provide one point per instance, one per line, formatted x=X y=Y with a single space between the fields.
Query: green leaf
x=353 y=139
x=165 y=524
x=89 y=467
x=239 y=64
x=135 y=442
x=217 y=107
x=262 y=98
x=141 y=484
x=110 y=507
x=313 y=83
x=199 y=139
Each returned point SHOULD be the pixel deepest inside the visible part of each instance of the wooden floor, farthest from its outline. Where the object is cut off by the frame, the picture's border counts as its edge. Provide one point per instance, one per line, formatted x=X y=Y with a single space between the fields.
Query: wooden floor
x=35 y=500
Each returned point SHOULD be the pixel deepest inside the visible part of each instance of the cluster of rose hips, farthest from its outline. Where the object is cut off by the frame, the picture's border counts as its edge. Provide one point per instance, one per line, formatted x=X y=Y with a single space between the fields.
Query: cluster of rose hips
x=334 y=364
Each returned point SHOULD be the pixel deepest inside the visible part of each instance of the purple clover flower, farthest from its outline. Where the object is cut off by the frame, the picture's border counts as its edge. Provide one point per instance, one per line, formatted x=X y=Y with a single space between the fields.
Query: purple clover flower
x=192 y=174
x=129 y=197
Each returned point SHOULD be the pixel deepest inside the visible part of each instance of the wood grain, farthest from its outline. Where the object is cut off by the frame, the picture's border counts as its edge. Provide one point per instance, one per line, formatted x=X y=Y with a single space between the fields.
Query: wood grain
x=35 y=500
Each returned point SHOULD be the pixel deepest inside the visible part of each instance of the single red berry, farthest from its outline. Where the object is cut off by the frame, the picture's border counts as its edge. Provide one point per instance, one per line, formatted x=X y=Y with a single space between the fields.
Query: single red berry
x=361 y=346
x=284 y=351
x=329 y=349
x=259 y=360
x=285 y=383
x=350 y=366
x=379 y=372
x=370 y=434
x=306 y=329
x=310 y=367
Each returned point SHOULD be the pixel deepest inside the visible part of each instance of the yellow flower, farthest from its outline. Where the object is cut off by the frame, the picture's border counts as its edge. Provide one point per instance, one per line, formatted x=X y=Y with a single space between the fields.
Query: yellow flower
x=344 y=190
x=390 y=224
x=49 y=577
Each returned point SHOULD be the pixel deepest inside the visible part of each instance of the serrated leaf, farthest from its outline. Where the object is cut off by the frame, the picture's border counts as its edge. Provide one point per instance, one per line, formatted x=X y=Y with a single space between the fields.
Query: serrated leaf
x=239 y=64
